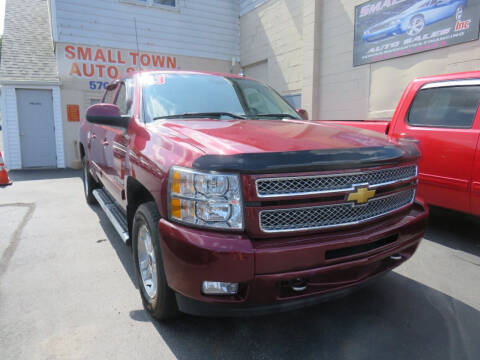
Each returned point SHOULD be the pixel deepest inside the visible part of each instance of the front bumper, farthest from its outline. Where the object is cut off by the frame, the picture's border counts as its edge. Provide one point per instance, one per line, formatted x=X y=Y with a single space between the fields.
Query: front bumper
x=265 y=268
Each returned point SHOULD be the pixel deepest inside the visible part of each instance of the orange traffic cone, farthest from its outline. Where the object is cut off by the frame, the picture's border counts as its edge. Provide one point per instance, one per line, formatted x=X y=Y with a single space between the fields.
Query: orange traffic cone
x=4 y=180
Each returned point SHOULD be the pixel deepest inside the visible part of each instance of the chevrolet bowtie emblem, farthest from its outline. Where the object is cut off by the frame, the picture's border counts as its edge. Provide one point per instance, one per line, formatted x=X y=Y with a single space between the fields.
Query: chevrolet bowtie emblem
x=361 y=195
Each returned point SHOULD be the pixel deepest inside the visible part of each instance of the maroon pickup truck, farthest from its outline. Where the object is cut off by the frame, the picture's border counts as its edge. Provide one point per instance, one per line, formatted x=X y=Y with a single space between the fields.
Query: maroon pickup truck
x=234 y=204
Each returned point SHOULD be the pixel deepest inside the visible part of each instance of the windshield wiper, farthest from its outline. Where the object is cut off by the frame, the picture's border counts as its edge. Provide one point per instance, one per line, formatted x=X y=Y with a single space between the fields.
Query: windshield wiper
x=277 y=116
x=199 y=115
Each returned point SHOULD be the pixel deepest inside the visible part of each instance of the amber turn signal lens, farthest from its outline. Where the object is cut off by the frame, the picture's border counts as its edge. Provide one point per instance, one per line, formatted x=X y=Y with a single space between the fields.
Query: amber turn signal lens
x=176 y=182
x=176 y=208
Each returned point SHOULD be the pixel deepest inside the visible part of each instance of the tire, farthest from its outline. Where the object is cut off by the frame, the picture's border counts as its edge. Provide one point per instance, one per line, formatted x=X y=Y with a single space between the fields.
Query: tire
x=89 y=183
x=157 y=298
x=416 y=25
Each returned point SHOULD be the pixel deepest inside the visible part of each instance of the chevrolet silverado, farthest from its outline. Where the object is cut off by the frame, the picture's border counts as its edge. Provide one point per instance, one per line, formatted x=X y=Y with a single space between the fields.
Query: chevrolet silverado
x=234 y=204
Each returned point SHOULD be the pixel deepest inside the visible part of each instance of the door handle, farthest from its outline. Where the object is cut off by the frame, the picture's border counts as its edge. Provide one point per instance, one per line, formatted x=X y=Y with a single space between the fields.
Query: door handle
x=406 y=138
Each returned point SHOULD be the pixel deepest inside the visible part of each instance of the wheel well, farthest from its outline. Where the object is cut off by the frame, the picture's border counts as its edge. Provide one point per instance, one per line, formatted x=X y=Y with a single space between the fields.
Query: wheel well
x=137 y=194
x=416 y=16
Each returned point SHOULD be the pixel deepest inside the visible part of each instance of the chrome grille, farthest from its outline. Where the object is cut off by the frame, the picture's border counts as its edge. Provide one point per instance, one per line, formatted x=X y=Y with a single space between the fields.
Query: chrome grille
x=328 y=216
x=317 y=184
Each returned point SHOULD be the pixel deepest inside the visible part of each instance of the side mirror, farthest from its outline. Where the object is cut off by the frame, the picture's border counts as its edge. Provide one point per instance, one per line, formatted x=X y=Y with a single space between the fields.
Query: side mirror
x=303 y=113
x=107 y=114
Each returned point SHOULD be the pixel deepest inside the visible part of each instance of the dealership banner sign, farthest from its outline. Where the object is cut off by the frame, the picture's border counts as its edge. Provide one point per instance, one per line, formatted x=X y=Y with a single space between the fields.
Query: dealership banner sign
x=386 y=29
x=102 y=63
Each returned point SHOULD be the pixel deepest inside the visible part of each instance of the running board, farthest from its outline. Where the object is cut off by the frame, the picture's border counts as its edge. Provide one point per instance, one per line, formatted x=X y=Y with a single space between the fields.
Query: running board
x=114 y=214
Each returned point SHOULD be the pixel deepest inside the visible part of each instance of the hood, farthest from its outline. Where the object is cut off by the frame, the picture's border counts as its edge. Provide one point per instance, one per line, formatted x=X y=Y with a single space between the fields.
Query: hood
x=280 y=145
x=228 y=137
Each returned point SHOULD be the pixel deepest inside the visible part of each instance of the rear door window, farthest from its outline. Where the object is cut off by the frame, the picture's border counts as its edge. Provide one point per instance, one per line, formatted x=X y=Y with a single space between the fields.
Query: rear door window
x=450 y=107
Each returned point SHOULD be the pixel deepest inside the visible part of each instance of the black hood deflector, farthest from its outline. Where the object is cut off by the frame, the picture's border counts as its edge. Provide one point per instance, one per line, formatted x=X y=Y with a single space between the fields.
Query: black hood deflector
x=305 y=161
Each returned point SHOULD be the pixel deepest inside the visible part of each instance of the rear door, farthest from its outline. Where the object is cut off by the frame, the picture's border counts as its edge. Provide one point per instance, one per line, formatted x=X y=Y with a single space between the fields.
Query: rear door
x=438 y=10
x=96 y=137
x=442 y=117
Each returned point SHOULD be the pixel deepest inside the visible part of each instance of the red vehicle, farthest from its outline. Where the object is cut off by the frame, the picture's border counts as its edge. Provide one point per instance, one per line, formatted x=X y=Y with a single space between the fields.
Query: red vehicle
x=236 y=205
x=441 y=113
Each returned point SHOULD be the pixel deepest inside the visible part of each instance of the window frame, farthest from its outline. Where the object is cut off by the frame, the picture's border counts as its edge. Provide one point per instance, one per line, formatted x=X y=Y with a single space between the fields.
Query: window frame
x=110 y=87
x=444 y=84
x=121 y=86
x=128 y=85
x=151 y=3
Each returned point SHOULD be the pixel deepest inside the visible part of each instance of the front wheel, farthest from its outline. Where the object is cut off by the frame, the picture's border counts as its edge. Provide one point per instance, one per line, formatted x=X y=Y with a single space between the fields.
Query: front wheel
x=158 y=299
x=89 y=183
x=416 y=25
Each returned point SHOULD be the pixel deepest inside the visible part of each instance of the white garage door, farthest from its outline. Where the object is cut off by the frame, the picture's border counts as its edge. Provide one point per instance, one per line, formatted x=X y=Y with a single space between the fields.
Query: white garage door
x=37 y=131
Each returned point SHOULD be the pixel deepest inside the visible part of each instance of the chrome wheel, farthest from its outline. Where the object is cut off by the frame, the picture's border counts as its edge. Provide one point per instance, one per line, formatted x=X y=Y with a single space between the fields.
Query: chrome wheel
x=147 y=262
x=416 y=26
x=459 y=13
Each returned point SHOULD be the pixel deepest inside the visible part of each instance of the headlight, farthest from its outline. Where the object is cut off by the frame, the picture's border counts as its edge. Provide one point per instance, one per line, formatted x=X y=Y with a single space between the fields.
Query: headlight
x=205 y=199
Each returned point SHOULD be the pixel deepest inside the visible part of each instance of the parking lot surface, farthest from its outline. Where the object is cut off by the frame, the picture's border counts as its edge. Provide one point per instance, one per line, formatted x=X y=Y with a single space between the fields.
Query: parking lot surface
x=68 y=291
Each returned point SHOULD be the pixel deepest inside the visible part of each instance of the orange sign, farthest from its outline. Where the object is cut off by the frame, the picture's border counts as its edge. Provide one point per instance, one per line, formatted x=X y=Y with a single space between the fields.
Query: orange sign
x=107 y=63
x=73 y=112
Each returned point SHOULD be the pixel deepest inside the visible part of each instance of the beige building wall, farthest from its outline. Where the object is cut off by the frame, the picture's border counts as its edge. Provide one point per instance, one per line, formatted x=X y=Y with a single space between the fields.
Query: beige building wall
x=271 y=44
x=311 y=56
x=306 y=46
x=343 y=90
x=373 y=90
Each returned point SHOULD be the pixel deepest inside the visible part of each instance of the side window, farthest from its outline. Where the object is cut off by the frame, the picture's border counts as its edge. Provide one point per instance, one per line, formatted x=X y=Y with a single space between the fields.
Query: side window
x=165 y=2
x=261 y=101
x=170 y=3
x=451 y=107
x=122 y=100
x=109 y=95
x=125 y=98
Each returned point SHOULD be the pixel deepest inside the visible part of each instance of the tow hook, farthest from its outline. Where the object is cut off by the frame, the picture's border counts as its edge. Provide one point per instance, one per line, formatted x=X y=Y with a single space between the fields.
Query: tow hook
x=299 y=284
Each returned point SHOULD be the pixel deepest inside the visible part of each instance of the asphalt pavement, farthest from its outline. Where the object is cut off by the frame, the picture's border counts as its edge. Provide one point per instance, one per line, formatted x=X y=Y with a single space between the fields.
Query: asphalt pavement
x=68 y=291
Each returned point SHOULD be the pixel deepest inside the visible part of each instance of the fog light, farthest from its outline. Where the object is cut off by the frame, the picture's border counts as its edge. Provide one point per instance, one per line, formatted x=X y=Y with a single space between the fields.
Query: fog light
x=219 y=288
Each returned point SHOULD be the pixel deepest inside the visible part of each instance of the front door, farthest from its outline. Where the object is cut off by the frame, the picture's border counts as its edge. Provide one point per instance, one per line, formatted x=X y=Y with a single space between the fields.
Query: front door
x=475 y=189
x=115 y=145
x=37 y=130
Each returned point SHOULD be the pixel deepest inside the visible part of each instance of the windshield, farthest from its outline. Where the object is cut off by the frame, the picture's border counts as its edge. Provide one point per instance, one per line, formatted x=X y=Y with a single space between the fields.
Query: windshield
x=168 y=95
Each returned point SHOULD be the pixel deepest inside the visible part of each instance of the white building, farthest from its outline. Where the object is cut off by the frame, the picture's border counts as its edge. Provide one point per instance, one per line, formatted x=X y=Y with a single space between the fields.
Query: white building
x=58 y=55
